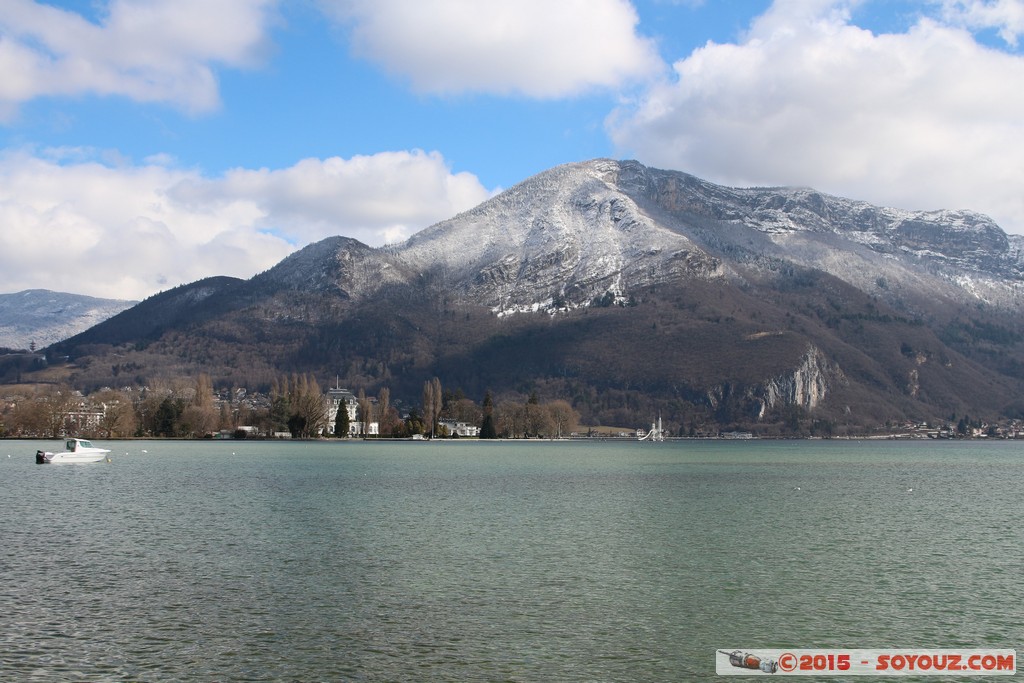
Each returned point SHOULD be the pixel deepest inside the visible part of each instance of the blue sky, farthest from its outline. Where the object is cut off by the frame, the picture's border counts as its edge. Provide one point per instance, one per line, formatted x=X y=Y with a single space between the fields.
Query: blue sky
x=147 y=144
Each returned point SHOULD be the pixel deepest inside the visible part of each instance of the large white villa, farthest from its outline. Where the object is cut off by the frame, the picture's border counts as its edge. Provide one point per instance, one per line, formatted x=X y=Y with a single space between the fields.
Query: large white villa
x=335 y=398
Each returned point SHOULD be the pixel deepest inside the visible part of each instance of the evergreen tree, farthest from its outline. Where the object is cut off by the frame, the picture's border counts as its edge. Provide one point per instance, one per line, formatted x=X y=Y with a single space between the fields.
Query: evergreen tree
x=297 y=426
x=413 y=424
x=428 y=405
x=487 y=428
x=341 y=423
x=167 y=417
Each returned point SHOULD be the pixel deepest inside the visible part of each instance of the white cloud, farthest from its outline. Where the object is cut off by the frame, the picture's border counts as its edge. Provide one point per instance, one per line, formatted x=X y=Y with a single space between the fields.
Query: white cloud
x=1006 y=16
x=377 y=199
x=535 y=48
x=127 y=231
x=924 y=119
x=146 y=50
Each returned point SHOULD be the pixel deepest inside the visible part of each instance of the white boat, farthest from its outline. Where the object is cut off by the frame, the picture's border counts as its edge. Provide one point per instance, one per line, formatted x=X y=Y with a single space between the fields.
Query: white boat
x=75 y=450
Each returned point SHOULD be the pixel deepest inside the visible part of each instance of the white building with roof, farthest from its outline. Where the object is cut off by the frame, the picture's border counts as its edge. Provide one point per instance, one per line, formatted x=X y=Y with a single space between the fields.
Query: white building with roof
x=334 y=399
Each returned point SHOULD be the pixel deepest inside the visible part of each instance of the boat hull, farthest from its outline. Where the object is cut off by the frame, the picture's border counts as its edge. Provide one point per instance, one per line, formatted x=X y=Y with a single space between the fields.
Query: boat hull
x=45 y=457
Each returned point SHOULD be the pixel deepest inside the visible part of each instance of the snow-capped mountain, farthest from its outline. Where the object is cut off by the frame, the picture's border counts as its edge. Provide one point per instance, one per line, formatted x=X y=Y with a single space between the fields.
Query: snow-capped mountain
x=585 y=230
x=962 y=254
x=566 y=236
x=39 y=317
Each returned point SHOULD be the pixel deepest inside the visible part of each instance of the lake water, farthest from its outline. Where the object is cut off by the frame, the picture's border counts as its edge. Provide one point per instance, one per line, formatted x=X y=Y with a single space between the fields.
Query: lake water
x=469 y=561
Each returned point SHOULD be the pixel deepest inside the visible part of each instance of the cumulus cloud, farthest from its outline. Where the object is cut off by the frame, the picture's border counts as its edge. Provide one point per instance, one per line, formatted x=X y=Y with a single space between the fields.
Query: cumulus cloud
x=928 y=118
x=1005 y=16
x=535 y=48
x=146 y=50
x=127 y=231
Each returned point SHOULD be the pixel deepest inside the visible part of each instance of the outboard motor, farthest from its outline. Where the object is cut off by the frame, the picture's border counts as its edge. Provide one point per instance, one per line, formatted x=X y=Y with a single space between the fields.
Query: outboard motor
x=41 y=458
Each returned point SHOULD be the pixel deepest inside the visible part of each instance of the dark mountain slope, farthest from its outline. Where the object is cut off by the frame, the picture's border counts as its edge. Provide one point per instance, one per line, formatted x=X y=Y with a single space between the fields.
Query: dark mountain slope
x=187 y=305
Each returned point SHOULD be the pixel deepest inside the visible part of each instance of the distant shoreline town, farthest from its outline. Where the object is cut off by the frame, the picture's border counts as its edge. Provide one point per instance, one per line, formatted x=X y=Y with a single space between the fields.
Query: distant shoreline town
x=297 y=409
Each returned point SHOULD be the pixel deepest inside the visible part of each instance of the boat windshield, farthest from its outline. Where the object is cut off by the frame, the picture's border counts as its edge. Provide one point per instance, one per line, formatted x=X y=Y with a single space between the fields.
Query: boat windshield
x=70 y=445
x=85 y=444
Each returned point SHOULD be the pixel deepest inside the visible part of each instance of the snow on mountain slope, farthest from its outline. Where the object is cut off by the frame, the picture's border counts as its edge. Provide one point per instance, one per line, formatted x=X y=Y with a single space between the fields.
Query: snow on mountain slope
x=597 y=229
x=957 y=255
x=42 y=317
x=555 y=240
x=579 y=231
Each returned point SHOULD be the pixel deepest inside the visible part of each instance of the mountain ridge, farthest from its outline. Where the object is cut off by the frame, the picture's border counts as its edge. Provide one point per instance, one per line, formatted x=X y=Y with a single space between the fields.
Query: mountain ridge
x=40 y=317
x=735 y=305
x=972 y=245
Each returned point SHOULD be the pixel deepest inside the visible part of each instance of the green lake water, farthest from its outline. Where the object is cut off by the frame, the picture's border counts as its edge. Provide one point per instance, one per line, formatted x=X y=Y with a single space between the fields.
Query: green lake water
x=476 y=561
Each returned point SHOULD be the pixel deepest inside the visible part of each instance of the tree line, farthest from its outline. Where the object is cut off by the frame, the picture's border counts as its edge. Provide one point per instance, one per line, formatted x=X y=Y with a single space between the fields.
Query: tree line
x=295 y=405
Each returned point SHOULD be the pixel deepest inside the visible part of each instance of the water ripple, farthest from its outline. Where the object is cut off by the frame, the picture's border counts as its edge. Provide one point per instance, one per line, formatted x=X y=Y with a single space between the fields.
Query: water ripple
x=484 y=562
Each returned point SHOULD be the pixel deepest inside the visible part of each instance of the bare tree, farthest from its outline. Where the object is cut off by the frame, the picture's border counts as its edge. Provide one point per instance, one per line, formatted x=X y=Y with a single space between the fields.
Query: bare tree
x=200 y=416
x=118 y=413
x=204 y=391
x=195 y=421
x=428 y=405
x=56 y=406
x=538 y=421
x=432 y=401
x=28 y=417
x=564 y=418
x=511 y=419
x=465 y=410
x=226 y=418
x=365 y=412
x=308 y=410
x=390 y=422
x=387 y=417
x=438 y=402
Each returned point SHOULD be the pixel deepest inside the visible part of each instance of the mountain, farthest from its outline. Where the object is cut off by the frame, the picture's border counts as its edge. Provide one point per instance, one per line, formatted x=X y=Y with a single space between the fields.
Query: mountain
x=40 y=317
x=597 y=223
x=629 y=291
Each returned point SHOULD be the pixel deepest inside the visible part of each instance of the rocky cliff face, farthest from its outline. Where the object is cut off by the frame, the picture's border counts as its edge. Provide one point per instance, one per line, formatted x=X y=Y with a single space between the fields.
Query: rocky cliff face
x=806 y=386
